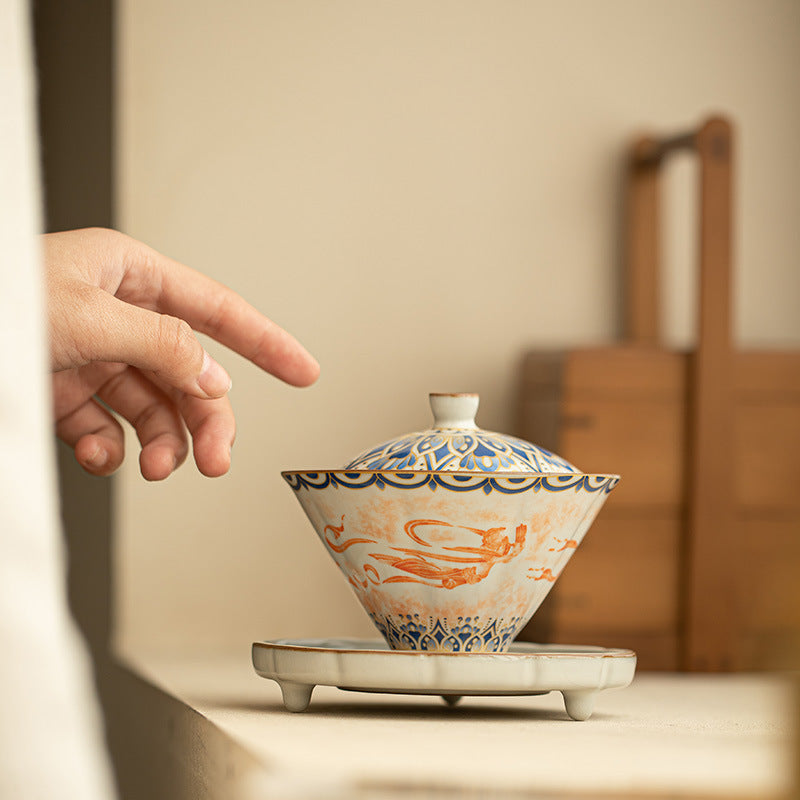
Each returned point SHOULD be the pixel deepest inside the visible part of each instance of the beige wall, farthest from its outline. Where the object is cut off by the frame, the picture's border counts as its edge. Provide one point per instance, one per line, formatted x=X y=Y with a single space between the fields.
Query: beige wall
x=419 y=191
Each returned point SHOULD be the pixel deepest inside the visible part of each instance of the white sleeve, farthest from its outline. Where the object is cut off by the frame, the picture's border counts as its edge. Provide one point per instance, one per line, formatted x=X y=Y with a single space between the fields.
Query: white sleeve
x=50 y=732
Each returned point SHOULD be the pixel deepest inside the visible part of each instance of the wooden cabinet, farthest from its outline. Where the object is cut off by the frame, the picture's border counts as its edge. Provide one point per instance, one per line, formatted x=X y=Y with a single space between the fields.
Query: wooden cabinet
x=695 y=560
x=624 y=410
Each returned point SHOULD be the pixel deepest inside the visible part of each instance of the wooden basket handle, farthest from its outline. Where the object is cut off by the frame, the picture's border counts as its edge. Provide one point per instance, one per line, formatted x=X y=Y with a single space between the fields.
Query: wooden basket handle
x=710 y=614
x=712 y=142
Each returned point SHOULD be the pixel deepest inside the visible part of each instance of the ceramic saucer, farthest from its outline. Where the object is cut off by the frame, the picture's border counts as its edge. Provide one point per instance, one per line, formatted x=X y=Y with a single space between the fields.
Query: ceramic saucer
x=366 y=665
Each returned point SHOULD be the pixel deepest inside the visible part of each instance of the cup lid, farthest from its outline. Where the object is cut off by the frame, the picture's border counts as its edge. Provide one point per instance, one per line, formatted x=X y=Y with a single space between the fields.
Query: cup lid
x=456 y=444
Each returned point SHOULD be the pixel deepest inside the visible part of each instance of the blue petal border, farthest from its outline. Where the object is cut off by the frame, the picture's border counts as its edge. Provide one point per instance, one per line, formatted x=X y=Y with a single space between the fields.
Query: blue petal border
x=452 y=482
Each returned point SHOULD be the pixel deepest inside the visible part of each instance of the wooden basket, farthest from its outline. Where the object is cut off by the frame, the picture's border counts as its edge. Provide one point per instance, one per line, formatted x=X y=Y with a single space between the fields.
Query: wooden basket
x=695 y=560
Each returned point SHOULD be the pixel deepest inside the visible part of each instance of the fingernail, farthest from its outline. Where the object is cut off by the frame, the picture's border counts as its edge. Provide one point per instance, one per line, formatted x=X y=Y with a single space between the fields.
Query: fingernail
x=213 y=379
x=98 y=459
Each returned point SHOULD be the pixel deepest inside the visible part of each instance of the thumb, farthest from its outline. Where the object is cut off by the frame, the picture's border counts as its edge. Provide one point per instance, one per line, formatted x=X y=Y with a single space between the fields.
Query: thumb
x=158 y=343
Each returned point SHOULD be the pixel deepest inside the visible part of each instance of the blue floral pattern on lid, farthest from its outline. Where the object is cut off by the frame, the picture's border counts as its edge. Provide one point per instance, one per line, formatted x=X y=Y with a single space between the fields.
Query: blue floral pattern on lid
x=455 y=443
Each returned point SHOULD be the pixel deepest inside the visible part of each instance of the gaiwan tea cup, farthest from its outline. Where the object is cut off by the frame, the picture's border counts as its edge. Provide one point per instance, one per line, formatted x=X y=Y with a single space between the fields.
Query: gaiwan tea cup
x=452 y=537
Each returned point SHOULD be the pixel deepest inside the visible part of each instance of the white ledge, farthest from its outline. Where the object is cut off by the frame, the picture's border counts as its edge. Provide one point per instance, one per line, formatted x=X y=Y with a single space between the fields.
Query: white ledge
x=667 y=734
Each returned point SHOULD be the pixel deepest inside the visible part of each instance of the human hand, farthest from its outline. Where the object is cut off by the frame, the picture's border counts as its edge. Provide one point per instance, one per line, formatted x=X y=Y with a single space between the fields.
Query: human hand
x=121 y=321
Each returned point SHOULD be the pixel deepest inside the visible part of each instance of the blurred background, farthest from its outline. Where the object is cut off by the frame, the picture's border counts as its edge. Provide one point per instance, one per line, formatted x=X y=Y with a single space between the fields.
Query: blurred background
x=421 y=193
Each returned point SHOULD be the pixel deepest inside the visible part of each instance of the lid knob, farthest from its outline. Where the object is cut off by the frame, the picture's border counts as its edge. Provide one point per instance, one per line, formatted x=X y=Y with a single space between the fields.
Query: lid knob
x=454 y=410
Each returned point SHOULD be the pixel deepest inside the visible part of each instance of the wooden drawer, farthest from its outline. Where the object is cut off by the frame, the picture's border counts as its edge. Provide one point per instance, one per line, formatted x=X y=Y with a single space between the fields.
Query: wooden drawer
x=624 y=410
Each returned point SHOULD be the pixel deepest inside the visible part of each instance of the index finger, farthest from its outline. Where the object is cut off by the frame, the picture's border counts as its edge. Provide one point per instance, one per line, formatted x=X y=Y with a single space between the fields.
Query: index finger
x=214 y=309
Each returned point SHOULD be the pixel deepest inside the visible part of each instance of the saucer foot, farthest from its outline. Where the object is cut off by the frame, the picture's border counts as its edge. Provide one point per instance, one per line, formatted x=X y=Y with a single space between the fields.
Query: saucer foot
x=579 y=703
x=296 y=696
x=451 y=699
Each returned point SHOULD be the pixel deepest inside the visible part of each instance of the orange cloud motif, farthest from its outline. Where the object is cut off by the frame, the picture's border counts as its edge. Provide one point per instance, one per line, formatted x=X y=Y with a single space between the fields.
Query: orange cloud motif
x=545 y=574
x=567 y=544
x=337 y=531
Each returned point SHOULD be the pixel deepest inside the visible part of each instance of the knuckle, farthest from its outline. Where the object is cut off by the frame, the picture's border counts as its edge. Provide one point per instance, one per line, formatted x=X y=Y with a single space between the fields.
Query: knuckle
x=219 y=313
x=177 y=340
x=148 y=418
x=99 y=232
x=104 y=238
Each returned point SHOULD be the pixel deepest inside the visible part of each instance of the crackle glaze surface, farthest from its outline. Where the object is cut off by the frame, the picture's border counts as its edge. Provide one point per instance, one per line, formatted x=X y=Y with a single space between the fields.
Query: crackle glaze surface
x=451 y=538
x=448 y=565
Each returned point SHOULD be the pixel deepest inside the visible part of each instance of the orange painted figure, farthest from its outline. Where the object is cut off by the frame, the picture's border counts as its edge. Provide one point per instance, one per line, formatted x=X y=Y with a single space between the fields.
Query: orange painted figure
x=421 y=566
